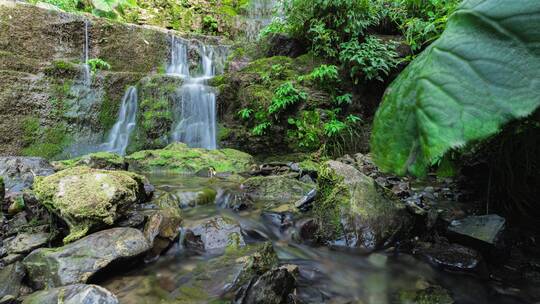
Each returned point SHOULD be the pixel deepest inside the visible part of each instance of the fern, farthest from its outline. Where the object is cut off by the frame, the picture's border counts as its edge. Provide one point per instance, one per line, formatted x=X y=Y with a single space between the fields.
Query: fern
x=284 y=96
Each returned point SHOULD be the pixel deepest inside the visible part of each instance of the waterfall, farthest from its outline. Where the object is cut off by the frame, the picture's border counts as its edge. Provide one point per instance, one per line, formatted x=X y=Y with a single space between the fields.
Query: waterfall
x=260 y=14
x=195 y=109
x=87 y=79
x=119 y=136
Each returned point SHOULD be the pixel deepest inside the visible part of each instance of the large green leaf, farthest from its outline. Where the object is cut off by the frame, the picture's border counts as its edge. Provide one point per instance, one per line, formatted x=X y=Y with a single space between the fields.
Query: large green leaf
x=483 y=72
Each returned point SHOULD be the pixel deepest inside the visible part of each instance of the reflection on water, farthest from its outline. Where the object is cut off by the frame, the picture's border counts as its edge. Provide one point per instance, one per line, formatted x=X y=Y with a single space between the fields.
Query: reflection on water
x=326 y=276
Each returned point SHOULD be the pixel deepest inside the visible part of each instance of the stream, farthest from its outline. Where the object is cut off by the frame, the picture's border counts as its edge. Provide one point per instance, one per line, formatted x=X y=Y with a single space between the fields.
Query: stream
x=325 y=275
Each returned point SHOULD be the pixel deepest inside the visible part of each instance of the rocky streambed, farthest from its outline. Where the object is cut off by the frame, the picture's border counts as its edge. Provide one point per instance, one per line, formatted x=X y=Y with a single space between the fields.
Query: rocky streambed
x=186 y=230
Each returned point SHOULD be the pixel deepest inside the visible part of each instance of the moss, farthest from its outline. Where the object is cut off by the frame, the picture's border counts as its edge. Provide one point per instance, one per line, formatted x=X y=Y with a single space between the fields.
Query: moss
x=62 y=69
x=430 y=295
x=85 y=197
x=46 y=142
x=223 y=132
x=99 y=160
x=179 y=158
x=107 y=113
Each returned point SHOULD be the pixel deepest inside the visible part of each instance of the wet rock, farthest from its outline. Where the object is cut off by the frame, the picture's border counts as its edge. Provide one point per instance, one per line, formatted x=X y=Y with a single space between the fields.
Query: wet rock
x=356 y=211
x=276 y=189
x=214 y=234
x=73 y=294
x=19 y=172
x=305 y=203
x=100 y=160
x=26 y=242
x=431 y=294
x=10 y=280
x=450 y=256
x=78 y=261
x=162 y=227
x=234 y=200
x=283 y=45
x=487 y=229
x=200 y=197
x=2 y=190
x=273 y=287
x=307 y=230
x=85 y=198
x=179 y=158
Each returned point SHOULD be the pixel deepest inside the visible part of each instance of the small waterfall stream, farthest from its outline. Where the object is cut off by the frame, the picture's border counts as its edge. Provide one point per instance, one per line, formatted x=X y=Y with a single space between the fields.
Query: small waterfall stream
x=87 y=79
x=119 y=136
x=196 y=117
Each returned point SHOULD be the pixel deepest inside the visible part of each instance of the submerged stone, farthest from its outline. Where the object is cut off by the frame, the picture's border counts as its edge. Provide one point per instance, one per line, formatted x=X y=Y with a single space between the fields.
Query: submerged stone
x=85 y=197
x=73 y=294
x=213 y=235
x=179 y=158
x=353 y=209
x=79 y=261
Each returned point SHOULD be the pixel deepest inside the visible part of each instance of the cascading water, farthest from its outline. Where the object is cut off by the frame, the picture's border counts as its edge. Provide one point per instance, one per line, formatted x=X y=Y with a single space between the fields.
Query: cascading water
x=125 y=124
x=86 y=68
x=196 y=119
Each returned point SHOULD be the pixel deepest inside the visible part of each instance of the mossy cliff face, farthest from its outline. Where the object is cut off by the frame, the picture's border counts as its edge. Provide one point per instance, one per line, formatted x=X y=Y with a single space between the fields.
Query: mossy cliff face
x=252 y=87
x=179 y=158
x=85 y=197
x=355 y=211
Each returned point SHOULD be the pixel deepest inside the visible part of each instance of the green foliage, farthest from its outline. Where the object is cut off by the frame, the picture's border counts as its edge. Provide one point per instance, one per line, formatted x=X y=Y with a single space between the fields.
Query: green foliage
x=276 y=26
x=245 y=113
x=113 y=6
x=370 y=60
x=96 y=64
x=210 y=24
x=454 y=94
x=260 y=129
x=66 y=5
x=421 y=21
x=343 y=99
x=325 y=76
x=284 y=96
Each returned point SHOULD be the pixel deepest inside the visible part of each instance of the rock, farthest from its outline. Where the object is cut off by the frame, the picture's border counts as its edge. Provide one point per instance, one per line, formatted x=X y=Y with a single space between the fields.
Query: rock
x=85 y=197
x=79 y=261
x=273 y=287
x=10 y=280
x=2 y=190
x=485 y=228
x=162 y=227
x=16 y=203
x=305 y=203
x=19 y=172
x=179 y=158
x=26 y=242
x=307 y=230
x=99 y=160
x=9 y=300
x=431 y=294
x=450 y=256
x=276 y=189
x=214 y=235
x=205 y=196
x=283 y=45
x=353 y=209
x=73 y=294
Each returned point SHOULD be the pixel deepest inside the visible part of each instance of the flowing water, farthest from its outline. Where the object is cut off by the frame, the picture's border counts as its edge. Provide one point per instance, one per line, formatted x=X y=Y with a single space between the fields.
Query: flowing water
x=195 y=108
x=326 y=276
x=87 y=78
x=118 y=139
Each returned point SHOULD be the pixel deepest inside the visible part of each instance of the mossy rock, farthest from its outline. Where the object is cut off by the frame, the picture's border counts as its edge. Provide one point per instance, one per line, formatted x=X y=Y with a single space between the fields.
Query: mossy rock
x=99 y=160
x=85 y=198
x=431 y=295
x=179 y=158
x=276 y=190
x=353 y=208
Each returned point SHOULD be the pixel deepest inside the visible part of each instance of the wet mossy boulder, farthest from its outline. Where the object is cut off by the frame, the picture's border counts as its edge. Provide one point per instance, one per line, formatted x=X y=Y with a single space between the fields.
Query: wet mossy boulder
x=79 y=261
x=99 y=160
x=85 y=198
x=354 y=211
x=179 y=158
x=276 y=190
x=72 y=294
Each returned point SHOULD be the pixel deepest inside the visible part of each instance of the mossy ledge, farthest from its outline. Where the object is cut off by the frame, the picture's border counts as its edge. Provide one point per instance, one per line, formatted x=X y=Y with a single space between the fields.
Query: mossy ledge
x=179 y=158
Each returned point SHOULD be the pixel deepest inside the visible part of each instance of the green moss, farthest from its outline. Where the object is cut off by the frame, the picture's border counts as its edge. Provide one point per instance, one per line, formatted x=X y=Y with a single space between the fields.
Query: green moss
x=62 y=68
x=223 y=132
x=431 y=295
x=85 y=197
x=107 y=113
x=46 y=142
x=179 y=158
x=99 y=160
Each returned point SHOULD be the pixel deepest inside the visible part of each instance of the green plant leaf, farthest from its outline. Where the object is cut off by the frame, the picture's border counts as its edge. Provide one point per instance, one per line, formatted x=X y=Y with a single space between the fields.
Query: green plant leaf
x=483 y=72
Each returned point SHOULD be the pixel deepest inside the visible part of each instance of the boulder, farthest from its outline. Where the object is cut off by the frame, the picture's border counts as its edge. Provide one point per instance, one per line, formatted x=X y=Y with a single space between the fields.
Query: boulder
x=85 y=197
x=276 y=189
x=99 y=160
x=486 y=229
x=162 y=227
x=214 y=235
x=10 y=280
x=450 y=256
x=73 y=294
x=354 y=211
x=273 y=287
x=79 y=261
x=25 y=242
x=179 y=158
x=19 y=172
